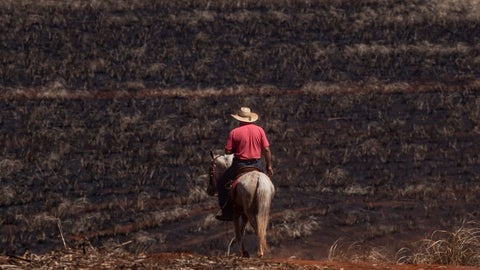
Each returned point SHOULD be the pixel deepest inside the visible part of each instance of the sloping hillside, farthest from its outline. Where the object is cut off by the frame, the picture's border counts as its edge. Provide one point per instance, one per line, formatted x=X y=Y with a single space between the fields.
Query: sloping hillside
x=200 y=44
x=108 y=111
x=381 y=169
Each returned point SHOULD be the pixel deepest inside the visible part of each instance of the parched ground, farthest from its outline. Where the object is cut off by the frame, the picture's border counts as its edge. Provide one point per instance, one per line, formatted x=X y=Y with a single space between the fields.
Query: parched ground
x=109 y=109
x=78 y=259
x=357 y=176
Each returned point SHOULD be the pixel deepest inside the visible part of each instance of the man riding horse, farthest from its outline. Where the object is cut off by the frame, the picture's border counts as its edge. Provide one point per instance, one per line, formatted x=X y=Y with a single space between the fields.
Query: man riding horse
x=248 y=143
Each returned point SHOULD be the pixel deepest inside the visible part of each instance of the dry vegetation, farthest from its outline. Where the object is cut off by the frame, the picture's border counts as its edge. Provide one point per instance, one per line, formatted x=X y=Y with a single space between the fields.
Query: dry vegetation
x=366 y=168
x=457 y=247
x=108 y=110
x=87 y=44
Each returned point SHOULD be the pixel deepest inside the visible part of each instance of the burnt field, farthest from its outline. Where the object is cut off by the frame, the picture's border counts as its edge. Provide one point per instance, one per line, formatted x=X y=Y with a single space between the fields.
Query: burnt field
x=108 y=112
x=144 y=44
x=382 y=170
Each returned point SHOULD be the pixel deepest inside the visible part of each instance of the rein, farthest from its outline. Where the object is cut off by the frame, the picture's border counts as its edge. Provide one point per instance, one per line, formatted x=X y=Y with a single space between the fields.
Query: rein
x=213 y=170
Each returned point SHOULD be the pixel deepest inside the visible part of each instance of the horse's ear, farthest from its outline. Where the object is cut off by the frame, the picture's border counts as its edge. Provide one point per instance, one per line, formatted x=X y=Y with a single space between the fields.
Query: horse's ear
x=211 y=154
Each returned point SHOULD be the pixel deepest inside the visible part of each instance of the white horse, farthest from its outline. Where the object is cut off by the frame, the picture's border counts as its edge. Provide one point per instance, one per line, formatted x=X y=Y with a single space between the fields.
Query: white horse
x=252 y=200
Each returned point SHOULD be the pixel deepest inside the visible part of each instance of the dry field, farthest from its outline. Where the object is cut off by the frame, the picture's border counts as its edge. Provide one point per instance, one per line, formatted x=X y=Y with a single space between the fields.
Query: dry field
x=199 y=44
x=362 y=177
x=108 y=113
x=76 y=259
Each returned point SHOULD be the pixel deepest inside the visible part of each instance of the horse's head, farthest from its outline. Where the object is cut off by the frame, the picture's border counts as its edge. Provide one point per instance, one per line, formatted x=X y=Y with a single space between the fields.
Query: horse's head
x=213 y=175
x=219 y=164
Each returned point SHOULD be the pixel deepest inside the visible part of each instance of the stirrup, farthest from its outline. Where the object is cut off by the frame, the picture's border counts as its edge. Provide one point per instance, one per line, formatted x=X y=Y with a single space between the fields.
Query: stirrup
x=228 y=185
x=227 y=212
x=224 y=217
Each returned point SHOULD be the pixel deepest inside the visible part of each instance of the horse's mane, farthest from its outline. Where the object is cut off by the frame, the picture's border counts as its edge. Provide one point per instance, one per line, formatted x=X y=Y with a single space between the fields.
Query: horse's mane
x=224 y=161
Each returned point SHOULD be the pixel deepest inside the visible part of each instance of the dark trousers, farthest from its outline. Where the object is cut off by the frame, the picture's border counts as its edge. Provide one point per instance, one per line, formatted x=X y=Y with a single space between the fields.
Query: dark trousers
x=230 y=174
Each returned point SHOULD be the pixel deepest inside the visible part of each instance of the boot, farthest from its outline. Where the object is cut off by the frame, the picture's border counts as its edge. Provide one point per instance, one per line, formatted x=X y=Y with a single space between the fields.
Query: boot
x=227 y=212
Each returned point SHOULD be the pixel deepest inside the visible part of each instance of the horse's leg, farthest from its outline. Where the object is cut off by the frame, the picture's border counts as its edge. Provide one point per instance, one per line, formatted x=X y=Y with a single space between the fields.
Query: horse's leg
x=240 y=225
x=242 y=229
x=262 y=213
x=260 y=230
x=238 y=233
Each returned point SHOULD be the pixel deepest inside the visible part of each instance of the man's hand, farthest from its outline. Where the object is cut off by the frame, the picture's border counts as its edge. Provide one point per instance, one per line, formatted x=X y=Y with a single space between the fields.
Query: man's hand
x=268 y=160
x=270 y=171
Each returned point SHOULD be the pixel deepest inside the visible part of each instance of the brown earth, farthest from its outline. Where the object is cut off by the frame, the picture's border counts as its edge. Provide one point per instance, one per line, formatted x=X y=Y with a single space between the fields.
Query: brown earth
x=76 y=259
x=374 y=128
x=370 y=221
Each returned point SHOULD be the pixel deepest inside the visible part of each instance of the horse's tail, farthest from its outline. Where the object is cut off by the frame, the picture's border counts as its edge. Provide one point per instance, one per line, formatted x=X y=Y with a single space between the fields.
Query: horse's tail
x=265 y=192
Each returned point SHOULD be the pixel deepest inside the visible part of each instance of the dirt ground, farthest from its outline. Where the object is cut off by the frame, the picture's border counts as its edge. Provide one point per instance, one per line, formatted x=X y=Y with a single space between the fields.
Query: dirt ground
x=390 y=204
x=78 y=259
x=108 y=112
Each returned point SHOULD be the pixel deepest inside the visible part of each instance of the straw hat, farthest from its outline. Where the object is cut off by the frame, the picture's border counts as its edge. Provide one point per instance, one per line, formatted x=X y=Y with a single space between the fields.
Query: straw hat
x=245 y=115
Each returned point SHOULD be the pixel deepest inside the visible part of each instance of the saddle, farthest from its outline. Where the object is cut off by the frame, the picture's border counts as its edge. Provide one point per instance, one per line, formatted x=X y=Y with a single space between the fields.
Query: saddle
x=232 y=183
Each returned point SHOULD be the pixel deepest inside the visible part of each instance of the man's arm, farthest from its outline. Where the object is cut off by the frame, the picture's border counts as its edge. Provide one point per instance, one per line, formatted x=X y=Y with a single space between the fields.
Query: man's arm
x=228 y=151
x=268 y=160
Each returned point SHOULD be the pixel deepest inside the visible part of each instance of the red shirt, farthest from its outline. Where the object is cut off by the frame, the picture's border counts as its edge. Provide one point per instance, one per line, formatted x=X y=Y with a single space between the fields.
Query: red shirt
x=247 y=141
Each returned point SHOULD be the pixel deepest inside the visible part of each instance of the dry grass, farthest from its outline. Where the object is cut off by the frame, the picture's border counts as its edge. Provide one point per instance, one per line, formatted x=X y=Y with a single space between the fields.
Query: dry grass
x=293 y=226
x=336 y=177
x=101 y=165
x=117 y=45
x=348 y=251
x=8 y=195
x=362 y=100
x=457 y=247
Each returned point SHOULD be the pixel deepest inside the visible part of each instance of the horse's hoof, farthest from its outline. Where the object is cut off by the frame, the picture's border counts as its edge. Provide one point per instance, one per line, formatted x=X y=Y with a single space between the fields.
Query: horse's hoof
x=245 y=254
